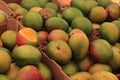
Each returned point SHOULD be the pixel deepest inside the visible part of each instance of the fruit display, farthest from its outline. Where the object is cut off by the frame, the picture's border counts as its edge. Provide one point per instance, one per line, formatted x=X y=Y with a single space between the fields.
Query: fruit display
x=78 y=38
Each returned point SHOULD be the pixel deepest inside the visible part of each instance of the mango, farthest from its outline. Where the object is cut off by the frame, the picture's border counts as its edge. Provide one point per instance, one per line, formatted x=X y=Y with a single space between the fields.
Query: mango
x=6 y=50
x=117 y=23
x=42 y=2
x=5 y=61
x=56 y=23
x=70 y=13
x=27 y=36
x=45 y=71
x=113 y=12
x=59 y=51
x=106 y=32
x=101 y=51
x=99 y=67
x=13 y=70
x=90 y=4
x=3 y=18
x=20 y=11
x=81 y=5
x=33 y=55
x=43 y=35
x=84 y=64
x=28 y=5
x=36 y=9
x=114 y=62
x=73 y=31
x=70 y=68
x=58 y=34
x=13 y=6
x=104 y=3
x=79 y=44
x=8 y=38
x=3 y=77
x=33 y=20
x=95 y=15
x=29 y=72
x=103 y=75
x=82 y=23
x=52 y=6
x=80 y=76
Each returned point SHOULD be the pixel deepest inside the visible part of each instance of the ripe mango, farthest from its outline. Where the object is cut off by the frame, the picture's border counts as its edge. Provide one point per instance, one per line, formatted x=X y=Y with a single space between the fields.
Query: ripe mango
x=29 y=72
x=101 y=51
x=79 y=44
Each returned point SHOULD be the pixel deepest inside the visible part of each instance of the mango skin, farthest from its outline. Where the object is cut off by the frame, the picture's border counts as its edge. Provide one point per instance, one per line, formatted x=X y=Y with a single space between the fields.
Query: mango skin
x=99 y=67
x=6 y=50
x=117 y=23
x=3 y=18
x=81 y=5
x=20 y=11
x=85 y=63
x=28 y=4
x=45 y=71
x=82 y=23
x=70 y=68
x=33 y=20
x=59 y=51
x=13 y=70
x=42 y=2
x=95 y=15
x=90 y=4
x=29 y=72
x=8 y=39
x=104 y=3
x=43 y=35
x=58 y=34
x=5 y=61
x=103 y=75
x=80 y=76
x=52 y=6
x=115 y=61
x=106 y=31
x=70 y=13
x=79 y=44
x=101 y=51
x=20 y=53
x=13 y=6
x=113 y=12
x=56 y=23
x=3 y=77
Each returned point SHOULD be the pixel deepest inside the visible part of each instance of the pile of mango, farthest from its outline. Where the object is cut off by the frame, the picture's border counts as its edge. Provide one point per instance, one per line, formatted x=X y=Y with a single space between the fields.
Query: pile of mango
x=82 y=36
